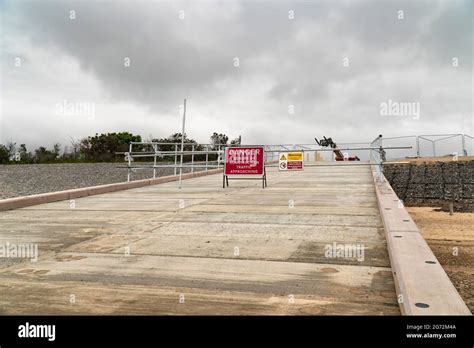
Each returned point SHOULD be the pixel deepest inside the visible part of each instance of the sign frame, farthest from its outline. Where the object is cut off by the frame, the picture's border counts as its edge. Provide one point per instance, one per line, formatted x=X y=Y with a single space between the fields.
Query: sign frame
x=261 y=175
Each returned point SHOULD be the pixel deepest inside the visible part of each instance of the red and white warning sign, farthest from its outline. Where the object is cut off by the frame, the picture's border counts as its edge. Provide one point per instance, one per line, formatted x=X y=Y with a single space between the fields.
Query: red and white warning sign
x=290 y=161
x=244 y=161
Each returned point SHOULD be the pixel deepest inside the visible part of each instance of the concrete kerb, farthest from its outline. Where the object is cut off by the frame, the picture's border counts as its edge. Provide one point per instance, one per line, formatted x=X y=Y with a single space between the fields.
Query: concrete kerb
x=422 y=285
x=26 y=201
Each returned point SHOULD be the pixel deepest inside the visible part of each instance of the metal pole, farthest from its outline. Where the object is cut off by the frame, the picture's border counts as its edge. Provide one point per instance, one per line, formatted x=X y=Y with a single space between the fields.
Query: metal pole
x=380 y=159
x=463 y=140
x=129 y=161
x=207 y=156
x=380 y=172
x=154 y=161
x=417 y=146
x=433 y=142
x=175 y=157
x=182 y=143
x=192 y=159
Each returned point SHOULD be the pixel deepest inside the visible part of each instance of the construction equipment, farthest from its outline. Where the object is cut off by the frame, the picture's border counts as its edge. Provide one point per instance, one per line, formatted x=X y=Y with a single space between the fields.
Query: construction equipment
x=327 y=142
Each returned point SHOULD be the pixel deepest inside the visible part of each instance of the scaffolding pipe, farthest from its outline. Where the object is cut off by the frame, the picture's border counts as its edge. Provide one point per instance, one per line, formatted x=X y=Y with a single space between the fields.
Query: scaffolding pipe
x=182 y=143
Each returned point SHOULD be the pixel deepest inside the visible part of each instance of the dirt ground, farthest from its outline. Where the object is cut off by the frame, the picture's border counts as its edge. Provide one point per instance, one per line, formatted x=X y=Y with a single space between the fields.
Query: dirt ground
x=452 y=240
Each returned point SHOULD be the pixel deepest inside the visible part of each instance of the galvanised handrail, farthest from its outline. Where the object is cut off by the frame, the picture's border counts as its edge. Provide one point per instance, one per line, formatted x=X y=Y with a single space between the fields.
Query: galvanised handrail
x=426 y=137
x=376 y=152
x=130 y=155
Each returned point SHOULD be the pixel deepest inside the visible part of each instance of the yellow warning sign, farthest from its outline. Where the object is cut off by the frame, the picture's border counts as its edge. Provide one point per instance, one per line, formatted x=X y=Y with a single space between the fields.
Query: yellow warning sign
x=295 y=156
x=291 y=161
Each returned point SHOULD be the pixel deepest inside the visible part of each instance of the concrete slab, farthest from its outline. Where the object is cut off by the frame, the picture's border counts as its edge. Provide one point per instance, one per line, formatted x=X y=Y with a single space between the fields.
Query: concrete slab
x=239 y=250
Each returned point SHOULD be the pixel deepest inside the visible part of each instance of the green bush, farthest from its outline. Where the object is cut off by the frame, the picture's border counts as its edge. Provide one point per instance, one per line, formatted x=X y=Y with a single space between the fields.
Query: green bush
x=4 y=154
x=102 y=148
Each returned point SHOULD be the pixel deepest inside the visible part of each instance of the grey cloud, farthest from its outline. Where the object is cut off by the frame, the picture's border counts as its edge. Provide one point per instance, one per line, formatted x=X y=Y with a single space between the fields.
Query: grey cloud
x=299 y=61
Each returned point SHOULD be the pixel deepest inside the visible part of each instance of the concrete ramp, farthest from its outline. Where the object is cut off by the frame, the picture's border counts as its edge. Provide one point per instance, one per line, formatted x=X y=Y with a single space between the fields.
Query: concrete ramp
x=423 y=287
x=203 y=249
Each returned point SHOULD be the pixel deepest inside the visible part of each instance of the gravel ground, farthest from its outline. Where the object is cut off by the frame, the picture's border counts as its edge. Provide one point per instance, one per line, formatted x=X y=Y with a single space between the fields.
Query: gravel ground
x=28 y=179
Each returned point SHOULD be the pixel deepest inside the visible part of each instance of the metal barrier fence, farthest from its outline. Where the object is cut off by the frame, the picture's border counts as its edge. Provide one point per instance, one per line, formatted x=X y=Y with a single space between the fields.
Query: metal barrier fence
x=208 y=151
x=432 y=145
x=377 y=156
x=209 y=156
x=163 y=157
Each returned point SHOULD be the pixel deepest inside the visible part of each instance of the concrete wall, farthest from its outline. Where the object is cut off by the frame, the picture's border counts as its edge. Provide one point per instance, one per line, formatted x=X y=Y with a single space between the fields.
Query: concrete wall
x=433 y=184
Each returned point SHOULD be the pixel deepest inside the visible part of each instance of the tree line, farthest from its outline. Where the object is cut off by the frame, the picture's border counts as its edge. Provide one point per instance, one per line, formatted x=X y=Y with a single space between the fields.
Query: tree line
x=103 y=148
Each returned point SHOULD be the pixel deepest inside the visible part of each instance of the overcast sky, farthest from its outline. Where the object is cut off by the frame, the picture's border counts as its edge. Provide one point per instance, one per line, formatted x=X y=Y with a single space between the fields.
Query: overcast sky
x=272 y=71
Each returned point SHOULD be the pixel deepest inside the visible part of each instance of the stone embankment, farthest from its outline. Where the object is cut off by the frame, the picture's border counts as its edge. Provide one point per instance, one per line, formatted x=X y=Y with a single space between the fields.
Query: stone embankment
x=433 y=183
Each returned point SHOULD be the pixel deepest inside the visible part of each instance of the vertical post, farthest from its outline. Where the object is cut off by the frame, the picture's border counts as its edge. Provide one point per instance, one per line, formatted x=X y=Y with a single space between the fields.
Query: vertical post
x=182 y=143
x=175 y=157
x=129 y=161
x=380 y=159
x=463 y=141
x=192 y=159
x=417 y=146
x=222 y=155
x=207 y=155
x=451 y=208
x=154 y=161
x=433 y=143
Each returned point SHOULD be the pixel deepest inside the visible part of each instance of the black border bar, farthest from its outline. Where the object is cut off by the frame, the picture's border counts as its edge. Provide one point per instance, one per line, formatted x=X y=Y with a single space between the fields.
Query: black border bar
x=224 y=330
